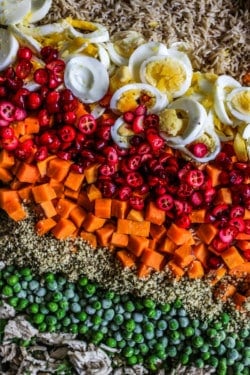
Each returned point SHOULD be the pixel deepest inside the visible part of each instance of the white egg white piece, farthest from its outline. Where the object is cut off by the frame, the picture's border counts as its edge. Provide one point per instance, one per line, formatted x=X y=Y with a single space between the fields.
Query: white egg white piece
x=238 y=103
x=99 y=35
x=8 y=48
x=222 y=85
x=39 y=9
x=103 y=56
x=87 y=78
x=115 y=57
x=143 y=52
x=13 y=11
x=197 y=120
x=25 y=39
x=160 y=99
x=97 y=111
x=246 y=133
x=121 y=140
x=179 y=59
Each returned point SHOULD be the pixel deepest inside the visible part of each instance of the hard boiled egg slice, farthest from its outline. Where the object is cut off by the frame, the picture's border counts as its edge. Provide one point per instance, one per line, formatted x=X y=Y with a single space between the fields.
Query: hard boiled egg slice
x=13 y=11
x=87 y=78
x=142 y=53
x=171 y=73
x=92 y=31
x=184 y=123
x=8 y=48
x=121 y=133
x=122 y=45
x=223 y=86
x=39 y=9
x=128 y=97
x=238 y=103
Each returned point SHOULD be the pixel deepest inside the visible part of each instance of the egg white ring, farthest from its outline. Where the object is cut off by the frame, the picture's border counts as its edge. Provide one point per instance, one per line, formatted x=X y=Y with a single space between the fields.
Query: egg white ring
x=197 y=120
x=143 y=52
x=13 y=11
x=98 y=111
x=25 y=39
x=39 y=9
x=100 y=35
x=181 y=58
x=237 y=114
x=220 y=96
x=87 y=78
x=103 y=55
x=161 y=100
x=121 y=141
x=8 y=48
x=246 y=133
x=115 y=57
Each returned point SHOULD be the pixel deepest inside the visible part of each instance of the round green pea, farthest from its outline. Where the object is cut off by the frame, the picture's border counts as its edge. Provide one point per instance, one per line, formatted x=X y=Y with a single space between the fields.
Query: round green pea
x=33 y=308
x=52 y=306
x=38 y=318
x=97 y=337
x=127 y=352
x=12 y=280
x=184 y=359
x=7 y=291
x=13 y=301
x=82 y=281
x=173 y=324
x=111 y=342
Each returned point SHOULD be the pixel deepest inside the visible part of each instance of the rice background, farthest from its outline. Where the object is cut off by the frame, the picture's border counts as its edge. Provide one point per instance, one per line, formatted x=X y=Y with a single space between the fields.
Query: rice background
x=216 y=32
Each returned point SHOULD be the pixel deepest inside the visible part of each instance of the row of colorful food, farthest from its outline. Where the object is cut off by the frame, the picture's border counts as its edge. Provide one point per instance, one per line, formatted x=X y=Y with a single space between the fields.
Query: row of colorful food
x=143 y=331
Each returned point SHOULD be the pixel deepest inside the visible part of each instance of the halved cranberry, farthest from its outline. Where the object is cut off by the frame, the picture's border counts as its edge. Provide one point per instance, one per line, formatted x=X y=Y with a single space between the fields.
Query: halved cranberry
x=236 y=177
x=209 y=195
x=19 y=98
x=48 y=54
x=106 y=170
x=7 y=132
x=195 y=178
x=57 y=67
x=41 y=76
x=124 y=193
x=128 y=116
x=138 y=124
x=220 y=210
x=104 y=133
x=41 y=153
x=134 y=179
x=179 y=207
x=4 y=123
x=199 y=149
x=151 y=121
x=20 y=114
x=7 y=111
x=184 y=190
x=214 y=262
x=23 y=68
x=34 y=100
x=137 y=203
x=87 y=124
x=183 y=221
x=24 y=53
x=237 y=211
x=107 y=188
x=111 y=154
x=165 y=202
x=228 y=233
x=238 y=223
x=218 y=245
x=155 y=141
x=134 y=162
x=46 y=138
x=10 y=144
x=197 y=198
x=143 y=148
x=67 y=133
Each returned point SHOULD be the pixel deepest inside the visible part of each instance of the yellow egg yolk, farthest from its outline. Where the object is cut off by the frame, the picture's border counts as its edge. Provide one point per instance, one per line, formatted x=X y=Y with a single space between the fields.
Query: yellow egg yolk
x=173 y=122
x=121 y=77
x=167 y=74
x=130 y=99
x=241 y=102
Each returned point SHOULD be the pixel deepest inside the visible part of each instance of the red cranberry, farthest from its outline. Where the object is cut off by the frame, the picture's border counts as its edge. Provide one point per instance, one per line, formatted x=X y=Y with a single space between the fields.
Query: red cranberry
x=165 y=202
x=128 y=117
x=87 y=124
x=23 y=69
x=7 y=132
x=183 y=221
x=10 y=144
x=195 y=178
x=34 y=100
x=106 y=170
x=67 y=133
x=235 y=177
x=69 y=117
x=104 y=133
x=199 y=149
x=124 y=193
x=134 y=179
x=44 y=118
x=48 y=54
x=151 y=121
x=24 y=53
x=41 y=153
x=136 y=202
x=41 y=76
x=214 y=262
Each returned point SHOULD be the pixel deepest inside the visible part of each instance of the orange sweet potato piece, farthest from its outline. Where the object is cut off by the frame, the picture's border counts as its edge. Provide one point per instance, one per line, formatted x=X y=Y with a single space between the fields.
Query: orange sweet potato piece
x=43 y=193
x=239 y=300
x=43 y=226
x=153 y=244
x=154 y=214
x=74 y=181
x=135 y=215
x=216 y=275
x=25 y=193
x=214 y=174
x=243 y=236
x=28 y=173
x=225 y=291
x=139 y=228
x=89 y=237
x=241 y=270
x=175 y=269
x=64 y=207
x=71 y=194
x=31 y=125
x=104 y=234
x=195 y=270
x=183 y=255
x=58 y=187
x=5 y=175
x=48 y=208
x=80 y=110
x=143 y=271
x=232 y=257
x=119 y=208
x=83 y=201
x=243 y=245
x=93 y=193
x=7 y=196
x=167 y=246
x=201 y=253
x=102 y=208
x=223 y=195
x=15 y=211
x=197 y=216
x=58 y=168
x=179 y=235
x=63 y=229
x=246 y=215
x=206 y=232
x=136 y=244
x=92 y=222
x=78 y=215
x=126 y=258
x=91 y=173
x=6 y=159
x=42 y=165
x=119 y=240
x=152 y=259
x=157 y=231
x=19 y=128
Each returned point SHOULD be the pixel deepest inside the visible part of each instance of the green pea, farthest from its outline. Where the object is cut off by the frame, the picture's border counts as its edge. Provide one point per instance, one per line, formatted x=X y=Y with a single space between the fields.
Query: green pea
x=42 y=327
x=171 y=351
x=173 y=324
x=188 y=349
x=121 y=344
x=163 y=341
x=138 y=338
x=215 y=342
x=211 y=332
x=51 y=320
x=129 y=306
x=33 y=308
x=52 y=285
x=195 y=323
x=38 y=318
x=244 y=333
x=33 y=285
x=148 y=327
x=66 y=321
x=205 y=356
x=127 y=335
x=83 y=281
x=41 y=292
x=75 y=307
x=90 y=289
x=83 y=329
x=199 y=363
x=13 y=301
x=129 y=325
x=204 y=348
x=43 y=309
x=61 y=281
x=97 y=337
x=118 y=319
x=111 y=342
x=229 y=342
x=73 y=328
x=217 y=326
x=106 y=303
x=22 y=304
x=52 y=306
x=69 y=293
x=60 y=314
x=49 y=277
x=133 y=360
x=175 y=337
x=64 y=305
x=7 y=291
x=109 y=314
x=213 y=361
x=177 y=303
x=184 y=359
x=225 y=318
x=127 y=352
x=149 y=303
x=162 y=325
x=96 y=320
x=57 y=296
x=82 y=316
x=184 y=322
x=144 y=349
x=109 y=294
x=151 y=314
x=97 y=305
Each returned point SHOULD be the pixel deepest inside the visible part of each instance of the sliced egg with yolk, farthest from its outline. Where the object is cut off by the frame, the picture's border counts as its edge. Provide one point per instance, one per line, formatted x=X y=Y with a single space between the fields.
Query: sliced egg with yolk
x=128 y=97
x=91 y=31
x=192 y=118
x=13 y=11
x=171 y=73
x=121 y=133
x=223 y=86
x=8 y=48
x=238 y=103
x=87 y=78
x=142 y=53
